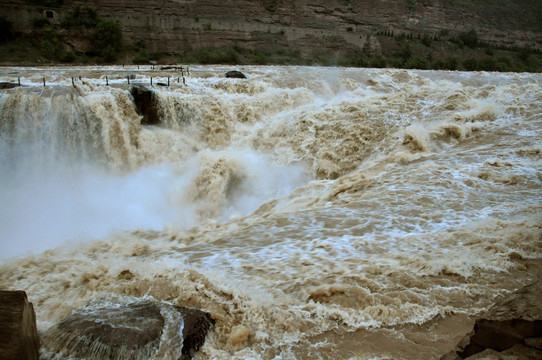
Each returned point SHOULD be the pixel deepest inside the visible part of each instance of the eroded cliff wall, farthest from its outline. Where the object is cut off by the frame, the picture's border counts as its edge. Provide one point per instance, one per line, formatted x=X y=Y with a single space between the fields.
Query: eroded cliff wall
x=312 y=27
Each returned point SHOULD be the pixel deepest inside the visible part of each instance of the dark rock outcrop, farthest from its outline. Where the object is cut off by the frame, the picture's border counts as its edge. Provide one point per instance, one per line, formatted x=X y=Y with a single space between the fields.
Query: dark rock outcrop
x=146 y=104
x=18 y=333
x=501 y=335
x=235 y=74
x=8 y=85
x=512 y=327
x=130 y=330
x=196 y=325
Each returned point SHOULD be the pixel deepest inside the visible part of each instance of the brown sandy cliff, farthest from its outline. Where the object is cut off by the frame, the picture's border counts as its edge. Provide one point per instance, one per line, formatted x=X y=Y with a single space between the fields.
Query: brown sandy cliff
x=334 y=27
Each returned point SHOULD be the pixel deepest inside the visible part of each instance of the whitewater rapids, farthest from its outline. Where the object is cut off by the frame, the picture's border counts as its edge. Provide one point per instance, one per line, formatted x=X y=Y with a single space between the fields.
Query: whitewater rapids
x=313 y=212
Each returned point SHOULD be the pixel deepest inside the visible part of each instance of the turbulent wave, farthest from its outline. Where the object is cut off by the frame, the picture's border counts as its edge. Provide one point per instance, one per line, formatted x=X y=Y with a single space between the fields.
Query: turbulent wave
x=312 y=212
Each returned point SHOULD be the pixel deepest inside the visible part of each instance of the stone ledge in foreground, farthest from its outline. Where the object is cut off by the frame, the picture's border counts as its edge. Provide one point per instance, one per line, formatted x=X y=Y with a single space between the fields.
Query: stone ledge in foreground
x=511 y=329
x=136 y=330
x=18 y=333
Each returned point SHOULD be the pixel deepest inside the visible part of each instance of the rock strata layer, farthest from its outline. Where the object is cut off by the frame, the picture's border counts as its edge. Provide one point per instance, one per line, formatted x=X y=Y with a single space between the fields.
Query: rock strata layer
x=310 y=27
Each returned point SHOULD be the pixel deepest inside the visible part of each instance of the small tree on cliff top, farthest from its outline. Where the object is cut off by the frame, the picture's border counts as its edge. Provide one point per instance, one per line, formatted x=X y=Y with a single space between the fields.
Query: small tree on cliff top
x=107 y=38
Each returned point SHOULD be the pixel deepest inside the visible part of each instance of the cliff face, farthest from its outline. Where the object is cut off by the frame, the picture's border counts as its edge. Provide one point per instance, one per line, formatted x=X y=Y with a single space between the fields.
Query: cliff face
x=312 y=27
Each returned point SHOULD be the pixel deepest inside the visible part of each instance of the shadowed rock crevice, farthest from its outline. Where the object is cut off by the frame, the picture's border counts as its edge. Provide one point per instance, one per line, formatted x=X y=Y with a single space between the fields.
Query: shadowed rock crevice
x=134 y=331
x=146 y=104
x=502 y=335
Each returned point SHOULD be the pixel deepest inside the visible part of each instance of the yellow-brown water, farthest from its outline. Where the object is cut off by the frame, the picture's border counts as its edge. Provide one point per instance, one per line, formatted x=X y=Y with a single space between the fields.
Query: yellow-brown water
x=314 y=212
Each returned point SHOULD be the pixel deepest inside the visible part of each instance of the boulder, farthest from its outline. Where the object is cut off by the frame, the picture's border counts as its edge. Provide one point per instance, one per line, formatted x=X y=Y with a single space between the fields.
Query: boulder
x=146 y=104
x=18 y=333
x=235 y=74
x=8 y=85
x=135 y=329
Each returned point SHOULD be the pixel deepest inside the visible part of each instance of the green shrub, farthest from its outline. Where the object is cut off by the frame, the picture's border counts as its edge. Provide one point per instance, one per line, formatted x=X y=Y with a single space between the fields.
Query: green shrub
x=405 y=52
x=378 y=61
x=397 y=63
x=107 y=38
x=417 y=63
x=504 y=60
x=488 y=64
x=524 y=53
x=142 y=57
x=214 y=56
x=503 y=66
x=427 y=40
x=458 y=42
x=81 y=16
x=260 y=57
x=443 y=33
x=470 y=64
x=66 y=56
x=351 y=61
x=449 y=63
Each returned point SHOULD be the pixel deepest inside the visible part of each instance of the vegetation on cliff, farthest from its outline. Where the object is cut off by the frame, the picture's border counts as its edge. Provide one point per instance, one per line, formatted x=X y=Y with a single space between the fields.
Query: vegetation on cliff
x=48 y=40
x=52 y=42
x=462 y=51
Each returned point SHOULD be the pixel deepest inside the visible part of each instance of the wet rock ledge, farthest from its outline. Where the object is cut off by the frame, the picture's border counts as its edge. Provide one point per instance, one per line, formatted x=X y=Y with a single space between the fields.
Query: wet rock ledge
x=146 y=104
x=511 y=329
x=118 y=329
x=18 y=333
x=129 y=330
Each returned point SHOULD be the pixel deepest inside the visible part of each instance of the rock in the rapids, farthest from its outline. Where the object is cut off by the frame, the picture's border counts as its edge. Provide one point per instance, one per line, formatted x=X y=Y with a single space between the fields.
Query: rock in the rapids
x=18 y=333
x=129 y=330
x=7 y=85
x=235 y=74
x=196 y=325
x=146 y=104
